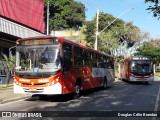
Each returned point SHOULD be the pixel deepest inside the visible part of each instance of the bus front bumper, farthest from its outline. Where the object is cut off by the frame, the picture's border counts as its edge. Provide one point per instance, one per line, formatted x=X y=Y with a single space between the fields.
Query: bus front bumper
x=149 y=79
x=52 y=90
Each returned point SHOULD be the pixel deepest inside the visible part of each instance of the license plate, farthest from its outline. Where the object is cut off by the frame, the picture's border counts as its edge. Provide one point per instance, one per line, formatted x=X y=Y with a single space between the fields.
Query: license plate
x=32 y=89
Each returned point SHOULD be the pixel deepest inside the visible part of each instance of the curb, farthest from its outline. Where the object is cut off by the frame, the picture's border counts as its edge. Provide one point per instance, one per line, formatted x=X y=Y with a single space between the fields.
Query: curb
x=13 y=99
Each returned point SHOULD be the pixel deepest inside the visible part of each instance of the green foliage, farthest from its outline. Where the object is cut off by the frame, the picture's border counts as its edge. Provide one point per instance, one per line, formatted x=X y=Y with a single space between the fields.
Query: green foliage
x=114 y=35
x=150 y=49
x=107 y=40
x=65 y=14
x=10 y=62
x=90 y=33
x=155 y=8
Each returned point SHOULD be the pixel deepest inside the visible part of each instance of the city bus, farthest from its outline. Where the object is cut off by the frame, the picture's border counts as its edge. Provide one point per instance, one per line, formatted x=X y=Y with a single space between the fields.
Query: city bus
x=137 y=68
x=54 y=65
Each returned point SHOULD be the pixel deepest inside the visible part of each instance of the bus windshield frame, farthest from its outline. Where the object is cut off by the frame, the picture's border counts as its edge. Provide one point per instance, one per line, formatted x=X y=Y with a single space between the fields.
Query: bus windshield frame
x=37 y=60
x=141 y=67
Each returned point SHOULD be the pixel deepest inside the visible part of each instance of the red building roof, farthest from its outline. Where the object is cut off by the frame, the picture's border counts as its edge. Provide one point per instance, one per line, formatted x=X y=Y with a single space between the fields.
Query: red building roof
x=26 y=12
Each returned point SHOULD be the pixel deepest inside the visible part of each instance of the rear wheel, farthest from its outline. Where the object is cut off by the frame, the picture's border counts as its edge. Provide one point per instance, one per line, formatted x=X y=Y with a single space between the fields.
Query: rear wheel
x=77 y=91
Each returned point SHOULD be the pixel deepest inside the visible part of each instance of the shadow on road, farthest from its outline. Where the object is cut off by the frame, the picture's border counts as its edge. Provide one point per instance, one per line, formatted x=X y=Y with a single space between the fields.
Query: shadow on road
x=121 y=97
x=62 y=98
x=137 y=82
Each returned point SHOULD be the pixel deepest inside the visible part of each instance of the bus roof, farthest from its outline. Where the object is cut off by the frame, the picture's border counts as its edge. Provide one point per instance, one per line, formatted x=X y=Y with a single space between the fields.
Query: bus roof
x=61 y=39
x=138 y=57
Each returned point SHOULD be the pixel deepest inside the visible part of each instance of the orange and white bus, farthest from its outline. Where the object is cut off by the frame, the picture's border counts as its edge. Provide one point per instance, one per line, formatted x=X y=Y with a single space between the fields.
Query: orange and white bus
x=55 y=65
x=137 y=68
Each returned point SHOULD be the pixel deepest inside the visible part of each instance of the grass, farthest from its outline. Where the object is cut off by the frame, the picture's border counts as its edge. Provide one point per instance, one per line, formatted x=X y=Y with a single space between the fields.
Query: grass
x=157 y=73
x=4 y=87
x=116 y=74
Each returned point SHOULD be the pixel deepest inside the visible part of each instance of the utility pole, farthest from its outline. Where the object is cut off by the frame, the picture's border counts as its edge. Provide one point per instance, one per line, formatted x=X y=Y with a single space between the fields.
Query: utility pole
x=96 y=40
x=97 y=33
x=48 y=18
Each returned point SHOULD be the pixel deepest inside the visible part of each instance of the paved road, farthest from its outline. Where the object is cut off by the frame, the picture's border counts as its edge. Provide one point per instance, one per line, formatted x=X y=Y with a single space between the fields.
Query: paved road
x=122 y=96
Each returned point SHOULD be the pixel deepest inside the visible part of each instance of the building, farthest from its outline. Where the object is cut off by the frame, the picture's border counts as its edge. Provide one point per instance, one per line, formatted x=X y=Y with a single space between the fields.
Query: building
x=19 y=19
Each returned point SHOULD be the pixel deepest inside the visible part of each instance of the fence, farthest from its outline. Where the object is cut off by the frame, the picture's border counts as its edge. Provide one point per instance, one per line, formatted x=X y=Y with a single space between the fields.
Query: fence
x=3 y=72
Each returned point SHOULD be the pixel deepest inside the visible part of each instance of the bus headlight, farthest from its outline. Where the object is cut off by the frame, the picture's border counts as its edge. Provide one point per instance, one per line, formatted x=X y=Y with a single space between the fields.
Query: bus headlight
x=52 y=82
x=57 y=79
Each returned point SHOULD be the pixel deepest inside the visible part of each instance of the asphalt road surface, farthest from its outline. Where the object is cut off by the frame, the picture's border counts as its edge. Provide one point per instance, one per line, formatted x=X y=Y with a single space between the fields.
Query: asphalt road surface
x=121 y=101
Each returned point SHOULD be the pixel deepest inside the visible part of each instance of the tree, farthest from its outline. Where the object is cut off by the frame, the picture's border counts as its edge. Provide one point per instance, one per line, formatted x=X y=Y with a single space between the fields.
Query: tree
x=108 y=42
x=114 y=35
x=65 y=14
x=150 y=48
x=10 y=64
x=90 y=33
x=155 y=8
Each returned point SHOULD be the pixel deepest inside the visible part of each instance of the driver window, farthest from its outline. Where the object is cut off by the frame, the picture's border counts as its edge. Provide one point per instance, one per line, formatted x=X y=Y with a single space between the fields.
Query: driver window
x=67 y=57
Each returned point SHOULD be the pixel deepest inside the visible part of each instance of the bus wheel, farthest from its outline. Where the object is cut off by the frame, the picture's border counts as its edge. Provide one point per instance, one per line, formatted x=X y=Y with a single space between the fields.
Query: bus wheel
x=77 y=91
x=104 y=84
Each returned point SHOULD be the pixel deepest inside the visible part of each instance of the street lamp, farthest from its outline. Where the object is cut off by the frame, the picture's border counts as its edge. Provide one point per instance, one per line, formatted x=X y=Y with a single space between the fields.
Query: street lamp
x=98 y=33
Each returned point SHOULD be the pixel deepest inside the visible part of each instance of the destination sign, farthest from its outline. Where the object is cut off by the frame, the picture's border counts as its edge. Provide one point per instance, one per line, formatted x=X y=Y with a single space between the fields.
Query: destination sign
x=29 y=42
x=141 y=58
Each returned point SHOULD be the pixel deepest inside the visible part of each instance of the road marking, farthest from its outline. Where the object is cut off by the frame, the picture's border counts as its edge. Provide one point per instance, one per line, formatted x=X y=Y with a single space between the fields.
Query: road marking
x=157 y=102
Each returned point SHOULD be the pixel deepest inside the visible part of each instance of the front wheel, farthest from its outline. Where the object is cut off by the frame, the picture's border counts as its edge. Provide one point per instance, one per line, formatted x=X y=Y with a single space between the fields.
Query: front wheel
x=77 y=91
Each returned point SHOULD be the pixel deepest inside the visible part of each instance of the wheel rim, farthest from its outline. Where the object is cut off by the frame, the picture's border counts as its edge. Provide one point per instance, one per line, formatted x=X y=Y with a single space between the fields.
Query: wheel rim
x=77 y=90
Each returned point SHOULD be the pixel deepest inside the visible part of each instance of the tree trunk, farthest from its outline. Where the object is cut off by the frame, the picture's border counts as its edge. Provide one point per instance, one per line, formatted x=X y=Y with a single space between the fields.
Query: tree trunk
x=8 y=77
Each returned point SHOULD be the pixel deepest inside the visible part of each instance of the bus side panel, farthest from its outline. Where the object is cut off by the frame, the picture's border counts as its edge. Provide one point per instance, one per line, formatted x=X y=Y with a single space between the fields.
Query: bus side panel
x=74 y=75
x=68 y=82
x=85 y=74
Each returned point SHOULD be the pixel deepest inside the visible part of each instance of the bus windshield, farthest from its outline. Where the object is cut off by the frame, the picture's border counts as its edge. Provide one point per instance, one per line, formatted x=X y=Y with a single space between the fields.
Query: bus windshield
x=37 y=59
x=141 y=67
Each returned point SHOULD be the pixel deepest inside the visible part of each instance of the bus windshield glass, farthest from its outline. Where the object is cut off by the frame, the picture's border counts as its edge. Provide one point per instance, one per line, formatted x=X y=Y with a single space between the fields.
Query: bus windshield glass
x=141 y=67
x=37 y=59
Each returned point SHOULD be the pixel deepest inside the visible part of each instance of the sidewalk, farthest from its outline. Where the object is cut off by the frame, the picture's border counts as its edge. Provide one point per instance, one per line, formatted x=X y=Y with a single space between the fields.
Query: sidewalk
x=7 y=95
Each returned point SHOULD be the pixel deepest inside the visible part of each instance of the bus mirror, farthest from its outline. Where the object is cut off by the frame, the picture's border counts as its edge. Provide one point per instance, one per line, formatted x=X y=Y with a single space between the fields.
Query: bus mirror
x=10 y=50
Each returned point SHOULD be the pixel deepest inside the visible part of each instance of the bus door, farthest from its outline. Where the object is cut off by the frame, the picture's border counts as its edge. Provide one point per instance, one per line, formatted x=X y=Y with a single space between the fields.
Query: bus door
x=68 y=72
x=81 y=71
x=89 y=81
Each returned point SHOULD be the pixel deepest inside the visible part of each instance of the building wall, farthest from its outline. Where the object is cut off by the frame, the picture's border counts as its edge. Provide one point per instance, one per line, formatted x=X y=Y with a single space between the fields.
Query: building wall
x=26 y=12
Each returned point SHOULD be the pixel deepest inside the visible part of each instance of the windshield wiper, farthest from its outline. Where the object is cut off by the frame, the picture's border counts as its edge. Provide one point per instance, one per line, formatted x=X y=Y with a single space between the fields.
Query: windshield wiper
x=43 y=51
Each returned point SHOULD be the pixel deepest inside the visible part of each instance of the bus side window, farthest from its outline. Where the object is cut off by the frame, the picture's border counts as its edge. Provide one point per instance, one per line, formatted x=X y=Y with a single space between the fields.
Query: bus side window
x=67 y=57
x=94 y=59
x=78 y=56
x=100 y=61
x=87 y=58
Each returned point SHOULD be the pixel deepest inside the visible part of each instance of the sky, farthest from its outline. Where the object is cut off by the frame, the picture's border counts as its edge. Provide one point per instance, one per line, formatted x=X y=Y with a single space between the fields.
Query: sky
x=139 y=15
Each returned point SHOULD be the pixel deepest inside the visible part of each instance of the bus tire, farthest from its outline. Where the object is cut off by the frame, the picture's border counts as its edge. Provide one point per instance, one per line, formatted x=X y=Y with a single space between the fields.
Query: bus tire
x=104 y=83
x=76 y=91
